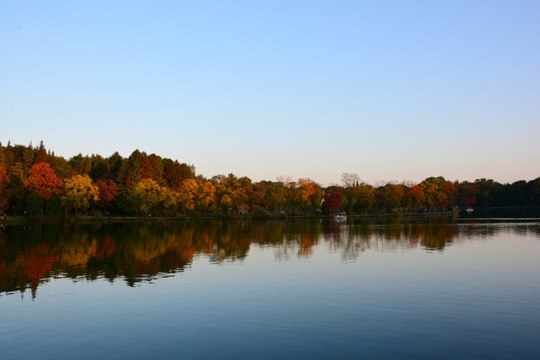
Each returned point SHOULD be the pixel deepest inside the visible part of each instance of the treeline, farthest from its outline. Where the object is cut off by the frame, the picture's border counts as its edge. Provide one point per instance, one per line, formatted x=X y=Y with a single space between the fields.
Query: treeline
x=34 y=181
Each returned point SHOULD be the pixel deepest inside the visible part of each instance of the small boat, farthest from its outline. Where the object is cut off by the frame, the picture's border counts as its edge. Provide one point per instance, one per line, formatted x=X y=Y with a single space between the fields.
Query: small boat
x=469 y=210
x=341 y=217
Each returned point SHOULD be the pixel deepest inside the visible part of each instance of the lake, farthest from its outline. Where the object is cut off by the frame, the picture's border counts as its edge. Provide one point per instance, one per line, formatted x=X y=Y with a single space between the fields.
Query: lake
x=419 y=288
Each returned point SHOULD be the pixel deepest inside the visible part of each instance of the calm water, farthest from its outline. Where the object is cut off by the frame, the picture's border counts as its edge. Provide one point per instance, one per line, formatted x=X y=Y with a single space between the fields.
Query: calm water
x=388 y=289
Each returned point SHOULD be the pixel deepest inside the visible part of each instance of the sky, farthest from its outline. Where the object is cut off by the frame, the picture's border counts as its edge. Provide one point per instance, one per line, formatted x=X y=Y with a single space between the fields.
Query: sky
x=388 y=90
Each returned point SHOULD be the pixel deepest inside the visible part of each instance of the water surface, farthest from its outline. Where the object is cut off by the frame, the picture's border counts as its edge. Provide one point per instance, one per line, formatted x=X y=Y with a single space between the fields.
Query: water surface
x=307 y=289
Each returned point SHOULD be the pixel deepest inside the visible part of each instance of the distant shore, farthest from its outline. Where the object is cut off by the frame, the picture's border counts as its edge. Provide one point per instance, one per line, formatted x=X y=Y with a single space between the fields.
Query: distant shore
x=89 y=219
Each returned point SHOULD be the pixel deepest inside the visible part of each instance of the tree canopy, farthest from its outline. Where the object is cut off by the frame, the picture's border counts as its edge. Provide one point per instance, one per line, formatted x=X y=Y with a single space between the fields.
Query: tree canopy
x=142 y=184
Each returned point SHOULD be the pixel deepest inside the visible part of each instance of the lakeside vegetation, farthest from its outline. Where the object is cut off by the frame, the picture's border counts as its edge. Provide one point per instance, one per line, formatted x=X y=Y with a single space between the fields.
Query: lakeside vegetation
x=36 y=182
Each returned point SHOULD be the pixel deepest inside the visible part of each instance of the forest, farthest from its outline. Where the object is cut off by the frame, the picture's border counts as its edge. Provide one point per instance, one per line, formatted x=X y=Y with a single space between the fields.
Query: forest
x=36 y=182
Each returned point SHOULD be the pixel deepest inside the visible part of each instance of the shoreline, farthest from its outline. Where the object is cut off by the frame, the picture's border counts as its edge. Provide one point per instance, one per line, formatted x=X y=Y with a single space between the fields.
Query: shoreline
x=92 y=219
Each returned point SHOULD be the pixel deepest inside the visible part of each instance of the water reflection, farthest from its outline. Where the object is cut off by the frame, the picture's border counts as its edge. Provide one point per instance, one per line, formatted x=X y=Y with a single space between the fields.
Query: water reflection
x=32 y=254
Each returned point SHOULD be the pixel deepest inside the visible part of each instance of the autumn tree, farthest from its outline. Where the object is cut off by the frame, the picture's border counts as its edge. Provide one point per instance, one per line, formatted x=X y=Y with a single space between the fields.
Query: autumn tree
x=151 y=197
x=257 y=196
x=413 y=197
x=107 y=191
x=390 y=196
x=466 y=194
x=147 y=195
x=167 y=203
x=438 y=192
x=332 y=199
x=42 y=181
x=233 y=192
x=244 y=195
x=309 y=194
x=4 y=190
x=290 y=188
x=450 y=194
x=429 y=191
x=205 y=200
x=174 y=173
x=152 y=168
x=187 y=194
x=78 y=192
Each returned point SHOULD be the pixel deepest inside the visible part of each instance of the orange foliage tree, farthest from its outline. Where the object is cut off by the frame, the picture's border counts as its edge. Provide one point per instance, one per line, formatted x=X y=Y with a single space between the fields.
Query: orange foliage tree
x=309 y=193
x=42 y=181
x=390 y=196
x=413 y=197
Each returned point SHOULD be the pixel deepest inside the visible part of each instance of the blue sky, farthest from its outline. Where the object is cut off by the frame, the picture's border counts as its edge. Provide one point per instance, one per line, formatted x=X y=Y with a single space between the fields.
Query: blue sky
x=390 y=90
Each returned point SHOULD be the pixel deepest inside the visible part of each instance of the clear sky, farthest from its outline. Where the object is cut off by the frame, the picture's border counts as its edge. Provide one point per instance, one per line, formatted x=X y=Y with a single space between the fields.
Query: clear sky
x=390 y=90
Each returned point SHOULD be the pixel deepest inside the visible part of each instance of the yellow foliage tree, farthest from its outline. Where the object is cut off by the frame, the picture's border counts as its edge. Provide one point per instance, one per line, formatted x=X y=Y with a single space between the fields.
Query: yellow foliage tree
x=206 y=195
x=78 y=192
x=168 y=199
x=151 y=196
x=233 y=192
x=226 y=202
x=187 y=193
x=429 y=192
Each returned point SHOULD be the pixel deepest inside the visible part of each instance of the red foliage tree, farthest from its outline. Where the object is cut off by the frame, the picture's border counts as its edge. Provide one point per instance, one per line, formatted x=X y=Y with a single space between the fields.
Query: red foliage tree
x=467 y=194
x=107 y=191
x=42 y=181
x=147 y=172
x=151 y=168
x=332 y=199
x=174 y=174
x=4 y=191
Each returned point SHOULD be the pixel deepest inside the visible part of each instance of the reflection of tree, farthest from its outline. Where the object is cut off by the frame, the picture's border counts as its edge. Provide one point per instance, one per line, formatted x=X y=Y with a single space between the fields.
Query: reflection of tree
x=297 y=237
x=306 y=245
x=437 y=236
x=38 y=263
x=132 y=251
x=135 y=252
